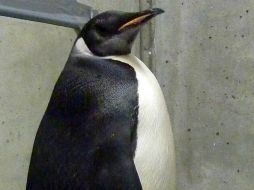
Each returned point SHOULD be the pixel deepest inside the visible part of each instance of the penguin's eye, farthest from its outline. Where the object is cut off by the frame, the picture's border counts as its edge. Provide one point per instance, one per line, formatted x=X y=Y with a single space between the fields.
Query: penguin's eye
x=102 y=30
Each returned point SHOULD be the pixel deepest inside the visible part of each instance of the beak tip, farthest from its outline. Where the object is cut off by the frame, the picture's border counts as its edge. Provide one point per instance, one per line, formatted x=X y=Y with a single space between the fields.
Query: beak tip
x=157 y=11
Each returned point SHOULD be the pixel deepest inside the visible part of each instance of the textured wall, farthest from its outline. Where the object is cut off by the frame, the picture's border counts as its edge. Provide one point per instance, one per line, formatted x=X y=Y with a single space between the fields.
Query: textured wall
x=203 y=58
x=205 y=63
x=32 y=56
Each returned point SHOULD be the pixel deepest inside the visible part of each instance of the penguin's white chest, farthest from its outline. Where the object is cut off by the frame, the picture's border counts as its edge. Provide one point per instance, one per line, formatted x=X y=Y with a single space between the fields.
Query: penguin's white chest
x=154 y=156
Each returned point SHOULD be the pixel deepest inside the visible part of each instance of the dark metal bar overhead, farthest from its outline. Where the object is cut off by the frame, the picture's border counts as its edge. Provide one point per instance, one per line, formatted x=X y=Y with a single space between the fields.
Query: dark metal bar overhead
x=68 y=13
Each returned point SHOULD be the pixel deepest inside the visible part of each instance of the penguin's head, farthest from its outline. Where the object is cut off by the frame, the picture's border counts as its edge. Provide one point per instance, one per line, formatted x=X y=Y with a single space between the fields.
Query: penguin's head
x=113 y=32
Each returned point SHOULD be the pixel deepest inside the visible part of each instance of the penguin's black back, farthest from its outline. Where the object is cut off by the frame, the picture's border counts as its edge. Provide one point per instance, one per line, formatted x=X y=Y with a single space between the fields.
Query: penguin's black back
x=87 y=137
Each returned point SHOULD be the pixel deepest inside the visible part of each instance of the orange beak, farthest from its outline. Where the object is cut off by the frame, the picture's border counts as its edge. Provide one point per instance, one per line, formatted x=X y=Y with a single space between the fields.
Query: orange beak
x=140 y=18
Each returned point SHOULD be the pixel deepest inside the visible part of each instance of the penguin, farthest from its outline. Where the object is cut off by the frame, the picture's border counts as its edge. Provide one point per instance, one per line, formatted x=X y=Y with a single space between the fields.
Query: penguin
x=106 y=126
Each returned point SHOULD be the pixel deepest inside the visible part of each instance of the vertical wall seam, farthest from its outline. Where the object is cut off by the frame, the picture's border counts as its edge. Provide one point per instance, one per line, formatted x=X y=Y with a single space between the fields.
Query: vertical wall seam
x=146 y=38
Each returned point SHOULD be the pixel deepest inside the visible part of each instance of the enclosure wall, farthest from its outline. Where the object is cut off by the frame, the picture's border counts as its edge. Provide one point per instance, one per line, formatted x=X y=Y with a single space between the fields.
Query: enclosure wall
x=202 y=54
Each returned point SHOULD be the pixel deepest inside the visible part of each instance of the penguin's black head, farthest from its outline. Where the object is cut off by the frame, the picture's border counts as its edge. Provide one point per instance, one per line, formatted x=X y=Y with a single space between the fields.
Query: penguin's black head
x=113 y=32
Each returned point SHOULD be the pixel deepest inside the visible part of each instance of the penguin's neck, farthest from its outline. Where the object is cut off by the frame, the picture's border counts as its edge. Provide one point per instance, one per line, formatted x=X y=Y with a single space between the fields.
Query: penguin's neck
x=81 y=49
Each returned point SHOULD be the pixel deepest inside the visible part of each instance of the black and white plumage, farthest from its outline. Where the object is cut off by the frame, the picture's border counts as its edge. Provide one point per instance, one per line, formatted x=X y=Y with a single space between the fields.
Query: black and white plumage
x=106 y=125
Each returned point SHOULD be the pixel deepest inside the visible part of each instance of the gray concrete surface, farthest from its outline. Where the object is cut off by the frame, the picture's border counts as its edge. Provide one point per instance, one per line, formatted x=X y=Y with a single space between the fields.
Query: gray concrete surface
x=203 y=58
x=32 y=56
x=205 y=63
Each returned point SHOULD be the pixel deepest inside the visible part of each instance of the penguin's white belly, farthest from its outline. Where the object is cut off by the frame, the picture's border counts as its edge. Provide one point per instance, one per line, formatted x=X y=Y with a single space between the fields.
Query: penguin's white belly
x=154 y=156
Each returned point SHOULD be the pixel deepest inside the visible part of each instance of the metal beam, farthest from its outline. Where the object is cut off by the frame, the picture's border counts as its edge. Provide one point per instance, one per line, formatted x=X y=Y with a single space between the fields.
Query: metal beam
x=68 y=13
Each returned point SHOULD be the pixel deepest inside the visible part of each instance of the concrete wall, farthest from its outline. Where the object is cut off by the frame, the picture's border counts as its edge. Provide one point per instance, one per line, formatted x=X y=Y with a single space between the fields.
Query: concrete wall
x=32 y=56
x=205 y=63
x=201 y=53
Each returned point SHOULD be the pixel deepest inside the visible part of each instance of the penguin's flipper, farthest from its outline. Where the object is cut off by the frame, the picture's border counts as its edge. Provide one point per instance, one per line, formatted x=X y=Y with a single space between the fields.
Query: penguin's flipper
x=119 y=174
x=87 y=137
